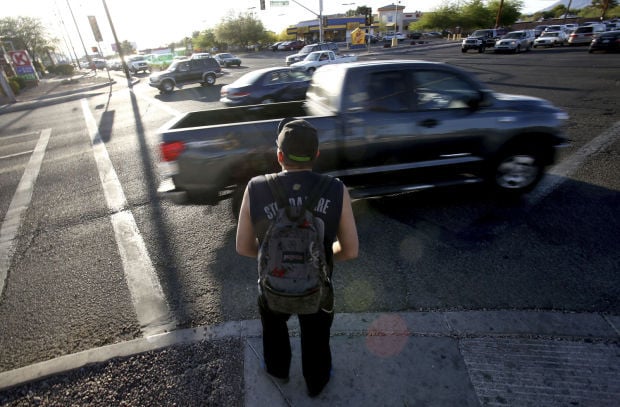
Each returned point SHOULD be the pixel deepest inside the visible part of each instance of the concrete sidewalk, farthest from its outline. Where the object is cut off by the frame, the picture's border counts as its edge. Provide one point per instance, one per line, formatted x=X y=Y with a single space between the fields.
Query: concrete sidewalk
x=56 y=89
x=470 y=358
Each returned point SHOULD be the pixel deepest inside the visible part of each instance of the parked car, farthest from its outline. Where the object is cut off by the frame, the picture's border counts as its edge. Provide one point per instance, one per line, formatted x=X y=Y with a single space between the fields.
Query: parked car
x=283 y=46
x=551 y=39
x=570 y=27
x=515 y=41
x=295 y=45
x=371 y=38
x=482 y=39
x=274 y=46
x=607 y=41
x=267 y=85
x=200 y=55
x=584 y=35
x=97 y=63
x=187 y=71
x=556 y=27
x=137 y=63
x=225 y=59
x=539 y=29
x=391 y=35
x=115 y=64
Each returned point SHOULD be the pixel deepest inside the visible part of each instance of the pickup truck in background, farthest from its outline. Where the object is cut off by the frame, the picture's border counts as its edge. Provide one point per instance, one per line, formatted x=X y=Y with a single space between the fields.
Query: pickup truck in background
x=385 y=127
x=480 y=40
x=323 y=46
x=319 y=58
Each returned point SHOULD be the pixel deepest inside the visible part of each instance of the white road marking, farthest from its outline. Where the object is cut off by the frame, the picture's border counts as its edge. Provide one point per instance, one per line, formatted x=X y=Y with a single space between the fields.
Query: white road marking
x=20 y=202
x=16 y=154
x=560 y=172
x=146 y=293
x=157 y=103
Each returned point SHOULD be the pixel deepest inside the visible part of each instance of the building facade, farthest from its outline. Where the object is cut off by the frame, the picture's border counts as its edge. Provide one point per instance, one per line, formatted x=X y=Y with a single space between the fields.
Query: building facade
x=337 y=28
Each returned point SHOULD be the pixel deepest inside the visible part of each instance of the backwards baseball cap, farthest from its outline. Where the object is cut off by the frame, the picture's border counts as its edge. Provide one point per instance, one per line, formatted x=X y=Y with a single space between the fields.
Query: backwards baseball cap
x=298 y=141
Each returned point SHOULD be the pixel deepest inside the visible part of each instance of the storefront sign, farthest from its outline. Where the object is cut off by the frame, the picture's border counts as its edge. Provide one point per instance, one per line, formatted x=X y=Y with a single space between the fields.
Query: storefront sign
x=23 y=65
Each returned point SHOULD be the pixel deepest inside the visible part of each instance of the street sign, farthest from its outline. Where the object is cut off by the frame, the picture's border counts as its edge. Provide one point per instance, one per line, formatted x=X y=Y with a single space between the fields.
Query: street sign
x=95 y=27
x=20 y=58
x=23 y=65
x=278 y=3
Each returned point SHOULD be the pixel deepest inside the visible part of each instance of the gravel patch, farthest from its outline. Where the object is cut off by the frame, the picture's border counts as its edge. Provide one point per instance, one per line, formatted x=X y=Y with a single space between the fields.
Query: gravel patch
x=198 y=374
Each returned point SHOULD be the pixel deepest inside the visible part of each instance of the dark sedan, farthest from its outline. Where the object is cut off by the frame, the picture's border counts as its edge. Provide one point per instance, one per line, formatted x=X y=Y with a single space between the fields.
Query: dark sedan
x=606 y=41
x=226 y=60
x=268 y=85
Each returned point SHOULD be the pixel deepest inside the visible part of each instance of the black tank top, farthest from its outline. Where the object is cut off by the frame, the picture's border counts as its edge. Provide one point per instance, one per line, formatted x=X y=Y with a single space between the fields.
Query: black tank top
x=297 y=185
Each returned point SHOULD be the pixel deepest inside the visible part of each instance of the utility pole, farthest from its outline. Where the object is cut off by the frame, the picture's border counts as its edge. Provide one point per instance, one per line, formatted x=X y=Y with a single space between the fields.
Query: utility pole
x=79 y=35
x=319 y=15
x=118 y=46
x=499 y=13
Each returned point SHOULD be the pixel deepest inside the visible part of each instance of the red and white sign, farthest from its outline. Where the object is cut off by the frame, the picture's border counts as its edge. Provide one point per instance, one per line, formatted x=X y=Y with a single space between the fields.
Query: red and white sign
x=20 y=58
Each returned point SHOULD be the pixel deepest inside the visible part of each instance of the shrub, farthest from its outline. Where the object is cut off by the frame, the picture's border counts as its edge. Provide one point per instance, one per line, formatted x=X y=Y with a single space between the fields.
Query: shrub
x=61 y=69
x=21 y=81
x=14 y=84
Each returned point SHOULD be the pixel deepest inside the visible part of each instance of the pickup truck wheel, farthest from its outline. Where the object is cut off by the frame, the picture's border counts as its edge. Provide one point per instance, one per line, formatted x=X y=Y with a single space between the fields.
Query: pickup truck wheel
x=463 y=50
x=167 y=86
x=517 y=171
x=480 y=50
x=209 y=80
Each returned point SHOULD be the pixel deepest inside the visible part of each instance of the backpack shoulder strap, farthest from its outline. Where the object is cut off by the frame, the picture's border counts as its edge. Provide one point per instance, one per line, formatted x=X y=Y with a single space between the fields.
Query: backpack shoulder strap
x=316 y=193
x=276 y=190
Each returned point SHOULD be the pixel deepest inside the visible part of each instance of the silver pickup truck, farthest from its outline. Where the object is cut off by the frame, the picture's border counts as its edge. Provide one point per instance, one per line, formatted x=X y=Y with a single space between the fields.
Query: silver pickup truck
x=385 y=127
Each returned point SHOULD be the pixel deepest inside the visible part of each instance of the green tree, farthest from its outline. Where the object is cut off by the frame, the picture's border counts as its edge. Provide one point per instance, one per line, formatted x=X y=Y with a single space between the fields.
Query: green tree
x=206 y=40
x=26 y=33
x=444 y=16
x=470 y=15
x=476 y=14
x=127 y=48
x=510 y=13
x=241 y=30
x=559 y=10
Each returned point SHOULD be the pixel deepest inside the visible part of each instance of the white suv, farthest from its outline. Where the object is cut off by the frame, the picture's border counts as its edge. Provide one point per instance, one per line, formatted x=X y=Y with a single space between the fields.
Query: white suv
x=137 y=63
x=515 y=41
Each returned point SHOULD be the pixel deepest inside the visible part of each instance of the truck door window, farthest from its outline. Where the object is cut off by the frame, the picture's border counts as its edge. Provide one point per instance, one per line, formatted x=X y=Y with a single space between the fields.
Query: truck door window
x=436 y=90
x=389 y=91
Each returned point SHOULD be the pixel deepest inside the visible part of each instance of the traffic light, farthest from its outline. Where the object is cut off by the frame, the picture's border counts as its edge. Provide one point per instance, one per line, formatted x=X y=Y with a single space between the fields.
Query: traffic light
x=368 y=17
x=262 y=4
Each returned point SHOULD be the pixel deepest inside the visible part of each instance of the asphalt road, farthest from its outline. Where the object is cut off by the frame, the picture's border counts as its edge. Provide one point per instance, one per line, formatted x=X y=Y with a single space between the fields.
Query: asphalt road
x=67 y=287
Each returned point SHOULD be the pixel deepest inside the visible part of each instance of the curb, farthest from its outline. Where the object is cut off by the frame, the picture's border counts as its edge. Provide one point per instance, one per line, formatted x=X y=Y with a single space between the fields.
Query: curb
x=57 y=98
x=533 y=325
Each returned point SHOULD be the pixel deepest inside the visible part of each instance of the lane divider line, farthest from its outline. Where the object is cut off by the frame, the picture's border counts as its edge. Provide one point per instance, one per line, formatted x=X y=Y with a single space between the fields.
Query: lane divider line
x=562 y=171
x=16 y=154
x=20 y=202
x=147 y=295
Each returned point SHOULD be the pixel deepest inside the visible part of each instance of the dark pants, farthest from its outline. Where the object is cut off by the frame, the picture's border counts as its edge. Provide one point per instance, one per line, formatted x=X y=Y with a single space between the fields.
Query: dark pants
x=316 y=357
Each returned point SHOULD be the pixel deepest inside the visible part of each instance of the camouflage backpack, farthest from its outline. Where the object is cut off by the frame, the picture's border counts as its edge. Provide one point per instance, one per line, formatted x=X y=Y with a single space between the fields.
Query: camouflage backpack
x=292 y=269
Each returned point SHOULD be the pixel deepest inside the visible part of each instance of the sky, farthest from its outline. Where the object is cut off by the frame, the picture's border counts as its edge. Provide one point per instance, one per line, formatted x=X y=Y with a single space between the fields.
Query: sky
x=151 y=24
